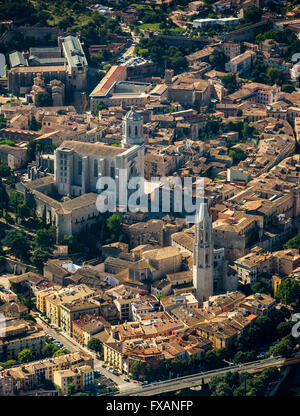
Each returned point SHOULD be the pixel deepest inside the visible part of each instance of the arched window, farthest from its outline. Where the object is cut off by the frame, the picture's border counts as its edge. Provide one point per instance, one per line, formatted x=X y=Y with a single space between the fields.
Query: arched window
x=112 y=171
x=95 y=168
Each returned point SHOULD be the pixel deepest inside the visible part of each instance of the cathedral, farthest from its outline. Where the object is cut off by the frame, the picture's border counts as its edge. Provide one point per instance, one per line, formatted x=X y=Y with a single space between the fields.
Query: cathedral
x=79 y=165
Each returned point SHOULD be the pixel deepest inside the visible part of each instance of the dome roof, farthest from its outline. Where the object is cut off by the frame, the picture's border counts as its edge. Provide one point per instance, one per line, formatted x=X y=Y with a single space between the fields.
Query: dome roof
x=133 y=115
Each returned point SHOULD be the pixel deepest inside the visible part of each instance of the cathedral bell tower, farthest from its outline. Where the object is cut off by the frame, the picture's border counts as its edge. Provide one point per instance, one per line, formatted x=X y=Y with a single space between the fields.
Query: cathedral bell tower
x=132 y=129
x=203 y=255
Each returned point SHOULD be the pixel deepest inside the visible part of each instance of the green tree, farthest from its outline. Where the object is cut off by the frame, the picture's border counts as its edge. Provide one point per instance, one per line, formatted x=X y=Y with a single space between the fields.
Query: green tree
x=2 y=121
x=8 y=363
x=293 y=242
x=39 y=257
x=253 y=14
x=15 y=199
x=229 y=82
x=148 y=372
x=237 y=155
x=34 y=125
x=99 y=107
x=25 y=356
x=24 y=211
x=4 y=198
x=287 y=88
x=275 y=75
x=46 y=238
x=17 y=243
x=71 y=388
x=218 y=59
x=283 y=329
x=136 y=368
x=103 y=55
x=193 y=362
x=240 y=357
x=214 y=359
x=288 y=292
x=69 y=241
x=32 y=148
x=114 y=226
x=247 y=130
x=259 y=287
x=223 y=389
x=284 y=347
x=5 y=170
x=49 y=349
x=95 y=344
x=43 y=99
x=61 y=351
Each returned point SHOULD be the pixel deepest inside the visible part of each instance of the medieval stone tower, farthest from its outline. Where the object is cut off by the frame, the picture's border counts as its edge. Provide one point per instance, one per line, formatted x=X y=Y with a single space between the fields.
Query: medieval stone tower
x=203 y=255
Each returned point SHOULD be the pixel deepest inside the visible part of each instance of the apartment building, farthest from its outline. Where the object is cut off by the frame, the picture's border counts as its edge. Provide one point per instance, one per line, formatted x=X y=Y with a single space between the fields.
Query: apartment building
x=55 y=301
x=74 y=310
x=28 y=376
x=81 y=377
x=85 y=327
x=241 y=63
x=18 y=335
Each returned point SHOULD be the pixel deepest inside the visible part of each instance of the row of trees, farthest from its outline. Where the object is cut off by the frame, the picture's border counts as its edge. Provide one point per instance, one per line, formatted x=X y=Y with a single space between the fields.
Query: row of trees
x=168 y=368
x=22 y=245
x=25 y=356
x=243 y=384
x=52 y=350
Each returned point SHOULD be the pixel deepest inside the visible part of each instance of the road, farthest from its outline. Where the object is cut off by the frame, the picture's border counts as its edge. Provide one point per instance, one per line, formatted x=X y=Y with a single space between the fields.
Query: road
x=73 y=347
x=196 y=379
x=134 y=388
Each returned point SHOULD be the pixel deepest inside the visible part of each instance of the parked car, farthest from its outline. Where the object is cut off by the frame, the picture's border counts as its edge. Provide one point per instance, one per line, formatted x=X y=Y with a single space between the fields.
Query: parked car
x=127 y=379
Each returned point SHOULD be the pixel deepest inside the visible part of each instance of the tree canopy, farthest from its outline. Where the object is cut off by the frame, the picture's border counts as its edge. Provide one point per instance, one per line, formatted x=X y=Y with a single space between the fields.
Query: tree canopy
x=94 y=344
x=17 y=242
x=288 y=292
x=25 y=356
x=43 y=99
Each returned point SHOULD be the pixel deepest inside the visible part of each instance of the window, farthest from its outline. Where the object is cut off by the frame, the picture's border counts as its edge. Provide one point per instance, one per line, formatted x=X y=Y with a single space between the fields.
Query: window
x=79 y=167
x=112 y=171
x=95 y=168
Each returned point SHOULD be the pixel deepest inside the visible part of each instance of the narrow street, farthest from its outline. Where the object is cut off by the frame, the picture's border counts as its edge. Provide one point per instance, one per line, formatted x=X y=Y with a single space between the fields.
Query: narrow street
x=73 y=347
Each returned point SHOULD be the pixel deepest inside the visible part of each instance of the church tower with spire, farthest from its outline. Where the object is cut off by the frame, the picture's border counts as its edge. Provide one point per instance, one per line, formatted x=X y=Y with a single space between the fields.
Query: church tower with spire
x=203 y=255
